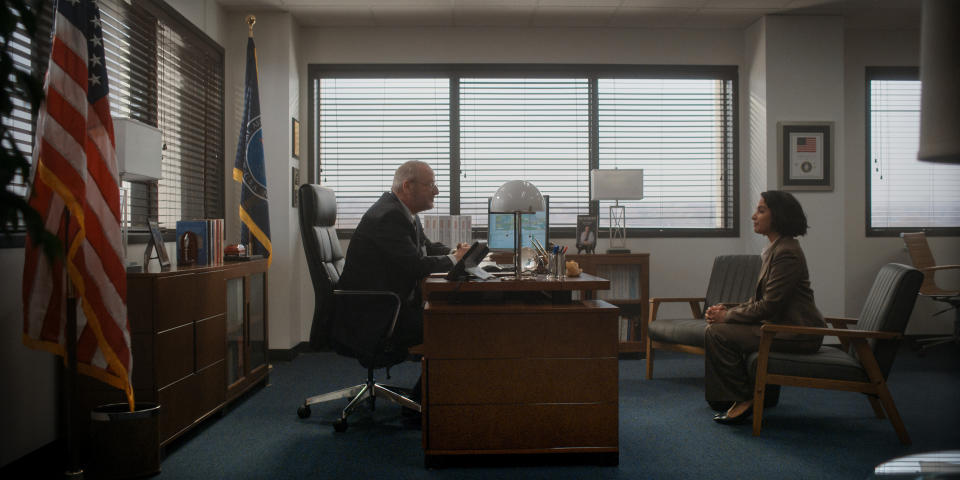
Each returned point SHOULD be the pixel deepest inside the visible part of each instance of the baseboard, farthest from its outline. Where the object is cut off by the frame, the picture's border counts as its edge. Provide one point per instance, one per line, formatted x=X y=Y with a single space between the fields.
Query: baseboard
x=288 y=354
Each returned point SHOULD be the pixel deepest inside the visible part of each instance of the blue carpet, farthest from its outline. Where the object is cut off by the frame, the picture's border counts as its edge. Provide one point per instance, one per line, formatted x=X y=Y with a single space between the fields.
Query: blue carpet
x=666 y=429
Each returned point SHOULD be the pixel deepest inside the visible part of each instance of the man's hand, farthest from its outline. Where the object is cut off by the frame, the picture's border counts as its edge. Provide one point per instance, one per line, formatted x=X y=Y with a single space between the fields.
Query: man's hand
x=716 y=314
x=462 y=249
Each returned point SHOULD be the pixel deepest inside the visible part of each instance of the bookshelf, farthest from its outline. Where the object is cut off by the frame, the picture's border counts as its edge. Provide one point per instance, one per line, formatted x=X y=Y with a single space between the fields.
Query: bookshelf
x=629 y=276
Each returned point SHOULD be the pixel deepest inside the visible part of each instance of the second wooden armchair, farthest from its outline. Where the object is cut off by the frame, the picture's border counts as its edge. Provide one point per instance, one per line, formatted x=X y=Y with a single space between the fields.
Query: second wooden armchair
x=732 y=280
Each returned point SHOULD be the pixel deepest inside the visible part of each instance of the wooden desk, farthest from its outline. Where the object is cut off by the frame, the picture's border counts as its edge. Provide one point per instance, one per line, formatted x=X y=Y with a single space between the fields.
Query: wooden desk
x=525 y=374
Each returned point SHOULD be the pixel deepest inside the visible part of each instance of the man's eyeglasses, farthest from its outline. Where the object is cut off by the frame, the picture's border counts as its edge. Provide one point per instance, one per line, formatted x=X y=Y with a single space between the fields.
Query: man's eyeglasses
x=432 y=185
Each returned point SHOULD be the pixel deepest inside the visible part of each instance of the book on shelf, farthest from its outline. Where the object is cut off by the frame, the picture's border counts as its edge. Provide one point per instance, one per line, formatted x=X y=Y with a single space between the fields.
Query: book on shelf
x=200 y=242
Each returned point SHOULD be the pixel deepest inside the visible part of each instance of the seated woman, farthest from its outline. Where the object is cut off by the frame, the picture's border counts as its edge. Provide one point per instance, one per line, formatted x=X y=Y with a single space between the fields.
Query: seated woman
x=783 y=296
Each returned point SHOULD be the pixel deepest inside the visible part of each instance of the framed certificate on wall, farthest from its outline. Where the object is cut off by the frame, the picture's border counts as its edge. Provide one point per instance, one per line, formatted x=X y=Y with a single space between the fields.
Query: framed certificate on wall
x=805 y=155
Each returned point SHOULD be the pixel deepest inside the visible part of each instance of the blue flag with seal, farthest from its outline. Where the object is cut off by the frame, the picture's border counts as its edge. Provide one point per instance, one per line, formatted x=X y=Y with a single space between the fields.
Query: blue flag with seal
x=249 y=168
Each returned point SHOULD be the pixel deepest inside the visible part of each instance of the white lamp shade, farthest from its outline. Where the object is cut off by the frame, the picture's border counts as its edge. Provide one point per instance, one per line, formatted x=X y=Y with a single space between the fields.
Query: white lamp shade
x=138 y=150
x=939 y=78
x=616 y=184
x=517 y=196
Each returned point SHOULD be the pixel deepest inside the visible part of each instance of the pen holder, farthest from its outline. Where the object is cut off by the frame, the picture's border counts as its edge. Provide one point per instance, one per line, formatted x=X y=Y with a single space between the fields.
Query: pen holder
x=557 y=265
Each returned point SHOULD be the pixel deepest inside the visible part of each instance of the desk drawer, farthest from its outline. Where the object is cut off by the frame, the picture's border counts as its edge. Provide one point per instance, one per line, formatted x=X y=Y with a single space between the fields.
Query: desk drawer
x=510 y=335
x=525 y=426
x=522 y=380
x=206 y=291
x=174 y=355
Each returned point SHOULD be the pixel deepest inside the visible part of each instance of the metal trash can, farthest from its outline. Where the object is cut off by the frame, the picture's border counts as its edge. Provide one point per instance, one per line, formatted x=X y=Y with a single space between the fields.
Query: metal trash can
x=125 y=444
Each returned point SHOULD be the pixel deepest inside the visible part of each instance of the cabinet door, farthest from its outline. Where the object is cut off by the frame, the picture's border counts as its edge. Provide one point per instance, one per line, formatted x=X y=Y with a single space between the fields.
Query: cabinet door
x=235 y=334
x=257 y=317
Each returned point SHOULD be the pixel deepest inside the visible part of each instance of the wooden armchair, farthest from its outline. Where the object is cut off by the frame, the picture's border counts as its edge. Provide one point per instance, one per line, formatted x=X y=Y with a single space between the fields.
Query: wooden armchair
x=922 y=259
x=732 y=280
x=864 y=362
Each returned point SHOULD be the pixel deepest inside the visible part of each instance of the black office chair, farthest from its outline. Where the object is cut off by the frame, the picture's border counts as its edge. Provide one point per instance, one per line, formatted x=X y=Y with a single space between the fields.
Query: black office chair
x=364 y=334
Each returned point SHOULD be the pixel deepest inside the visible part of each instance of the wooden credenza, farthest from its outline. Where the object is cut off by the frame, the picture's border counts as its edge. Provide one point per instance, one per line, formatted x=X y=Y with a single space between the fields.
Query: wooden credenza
x=517 y=367
x=199 y=338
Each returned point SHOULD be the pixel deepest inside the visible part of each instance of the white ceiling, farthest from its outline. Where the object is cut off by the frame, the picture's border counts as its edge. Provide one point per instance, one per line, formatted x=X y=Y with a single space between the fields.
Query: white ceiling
x=580 y=13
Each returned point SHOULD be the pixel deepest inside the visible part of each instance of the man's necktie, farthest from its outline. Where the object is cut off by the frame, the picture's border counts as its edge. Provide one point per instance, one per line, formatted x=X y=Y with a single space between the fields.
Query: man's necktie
x=418 y=231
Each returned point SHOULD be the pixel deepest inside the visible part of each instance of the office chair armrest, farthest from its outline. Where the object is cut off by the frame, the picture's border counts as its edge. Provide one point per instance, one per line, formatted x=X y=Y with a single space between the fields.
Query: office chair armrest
x=377 y=294
x=939 y=267
x=693 y=301
x=771 y=329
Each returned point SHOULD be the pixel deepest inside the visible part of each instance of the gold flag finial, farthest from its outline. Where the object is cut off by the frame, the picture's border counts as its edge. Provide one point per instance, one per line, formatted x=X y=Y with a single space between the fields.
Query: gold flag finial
x=250 y=21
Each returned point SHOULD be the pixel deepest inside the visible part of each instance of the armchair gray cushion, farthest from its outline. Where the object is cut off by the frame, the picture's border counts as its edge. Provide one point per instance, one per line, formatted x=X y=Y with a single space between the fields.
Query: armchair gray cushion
x=685 y=331
x=828 y=362
x=732 y=280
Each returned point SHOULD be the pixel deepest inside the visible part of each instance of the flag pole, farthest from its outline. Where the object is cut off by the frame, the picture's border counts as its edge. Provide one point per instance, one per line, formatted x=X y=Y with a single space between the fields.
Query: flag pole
x=251 y=20
x=74 y=470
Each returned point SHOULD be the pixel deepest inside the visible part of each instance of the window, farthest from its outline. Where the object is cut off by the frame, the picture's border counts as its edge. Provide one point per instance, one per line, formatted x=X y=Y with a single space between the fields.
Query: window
x=479 y=126
x=165 y=73
x=903 y=193
x=28 y=54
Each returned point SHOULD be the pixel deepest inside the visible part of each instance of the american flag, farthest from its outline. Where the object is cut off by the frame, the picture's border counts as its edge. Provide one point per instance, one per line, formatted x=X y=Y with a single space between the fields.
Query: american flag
x=75 y=186
x=807 y=144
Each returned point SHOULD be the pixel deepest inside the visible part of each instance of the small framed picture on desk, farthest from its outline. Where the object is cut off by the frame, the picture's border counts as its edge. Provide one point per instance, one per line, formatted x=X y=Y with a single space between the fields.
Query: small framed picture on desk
x=155 y=241
x=586 y=233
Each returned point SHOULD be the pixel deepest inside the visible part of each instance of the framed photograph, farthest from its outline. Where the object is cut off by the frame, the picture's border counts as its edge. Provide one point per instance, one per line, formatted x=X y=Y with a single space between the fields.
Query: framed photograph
x=586 y=233
x=805 y=155
x=296 y=138
x=295 y=183
x=155 y=242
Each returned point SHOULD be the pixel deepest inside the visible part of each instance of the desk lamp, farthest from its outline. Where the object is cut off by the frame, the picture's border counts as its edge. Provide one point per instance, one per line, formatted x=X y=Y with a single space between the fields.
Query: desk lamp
x=517 y=197
x=617 y=185
x=139 y=149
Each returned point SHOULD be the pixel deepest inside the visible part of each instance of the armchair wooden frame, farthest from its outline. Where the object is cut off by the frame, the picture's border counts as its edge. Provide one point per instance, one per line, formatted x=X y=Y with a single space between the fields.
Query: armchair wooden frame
x=876 y=388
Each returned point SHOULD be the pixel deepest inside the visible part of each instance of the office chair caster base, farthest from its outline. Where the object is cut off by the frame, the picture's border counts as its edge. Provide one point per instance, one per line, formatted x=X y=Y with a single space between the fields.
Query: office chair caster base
x=340 y=426
x=303 y=411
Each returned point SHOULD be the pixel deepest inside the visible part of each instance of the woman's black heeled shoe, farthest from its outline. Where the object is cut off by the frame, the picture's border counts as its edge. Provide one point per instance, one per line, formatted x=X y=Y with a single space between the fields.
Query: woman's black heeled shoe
x=722 y=418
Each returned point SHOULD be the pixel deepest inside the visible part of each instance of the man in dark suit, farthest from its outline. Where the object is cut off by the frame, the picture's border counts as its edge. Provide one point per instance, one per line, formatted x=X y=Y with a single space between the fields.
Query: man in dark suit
x=388 y=250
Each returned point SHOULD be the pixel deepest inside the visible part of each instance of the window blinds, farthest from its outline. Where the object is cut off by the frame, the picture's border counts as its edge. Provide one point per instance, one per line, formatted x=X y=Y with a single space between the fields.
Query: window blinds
x=678 y=132
x=905 y=193
x=549 y=125
x=534 y=129
x=369 y=127
x=165 y=73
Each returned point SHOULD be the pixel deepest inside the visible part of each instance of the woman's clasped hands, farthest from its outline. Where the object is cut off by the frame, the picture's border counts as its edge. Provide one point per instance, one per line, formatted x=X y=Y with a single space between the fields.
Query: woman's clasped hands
x=716 y=314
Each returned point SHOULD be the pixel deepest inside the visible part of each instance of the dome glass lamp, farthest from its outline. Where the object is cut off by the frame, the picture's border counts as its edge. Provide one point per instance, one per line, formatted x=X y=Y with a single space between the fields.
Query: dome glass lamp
x=517 y=197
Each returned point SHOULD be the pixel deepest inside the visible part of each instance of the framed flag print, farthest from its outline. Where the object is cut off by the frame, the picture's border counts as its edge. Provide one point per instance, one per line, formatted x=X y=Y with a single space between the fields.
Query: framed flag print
x=805 y=155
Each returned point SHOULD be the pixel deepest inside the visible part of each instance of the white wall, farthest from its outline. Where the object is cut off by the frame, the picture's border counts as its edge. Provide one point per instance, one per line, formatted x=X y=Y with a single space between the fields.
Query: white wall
x=804 y=82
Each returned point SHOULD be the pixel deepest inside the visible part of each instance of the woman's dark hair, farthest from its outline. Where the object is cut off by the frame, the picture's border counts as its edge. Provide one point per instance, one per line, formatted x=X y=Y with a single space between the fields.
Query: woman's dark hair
x=788 y=217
